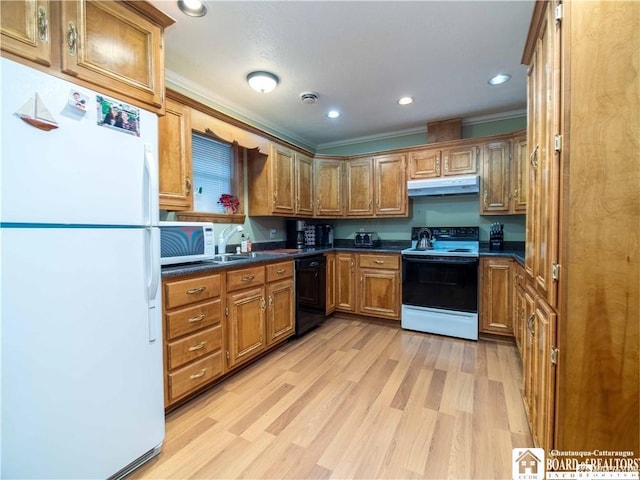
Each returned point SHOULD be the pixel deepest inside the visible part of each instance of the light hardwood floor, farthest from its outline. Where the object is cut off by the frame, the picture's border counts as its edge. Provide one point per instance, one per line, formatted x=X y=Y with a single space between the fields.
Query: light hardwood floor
x=355 y=399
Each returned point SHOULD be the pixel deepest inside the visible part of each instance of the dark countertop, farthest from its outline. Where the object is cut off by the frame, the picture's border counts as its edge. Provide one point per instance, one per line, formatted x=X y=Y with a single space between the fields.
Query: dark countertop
x=516 y=254
x=264 y=257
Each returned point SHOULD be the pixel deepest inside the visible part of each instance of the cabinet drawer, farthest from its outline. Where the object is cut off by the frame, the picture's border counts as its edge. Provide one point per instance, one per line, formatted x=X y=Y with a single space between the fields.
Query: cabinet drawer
x=191 y=290
x=191 y=377
x=194 y=346
x=246 y=277
x=278 y=271
x=367 y=260
x=190 y=319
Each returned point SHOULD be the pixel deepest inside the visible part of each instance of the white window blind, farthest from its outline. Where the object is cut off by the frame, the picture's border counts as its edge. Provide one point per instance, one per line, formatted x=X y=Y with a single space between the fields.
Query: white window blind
x=212 y=167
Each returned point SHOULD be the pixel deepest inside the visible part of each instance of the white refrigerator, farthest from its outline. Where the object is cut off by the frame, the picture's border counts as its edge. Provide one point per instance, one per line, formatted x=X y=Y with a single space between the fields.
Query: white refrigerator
x=81 y=359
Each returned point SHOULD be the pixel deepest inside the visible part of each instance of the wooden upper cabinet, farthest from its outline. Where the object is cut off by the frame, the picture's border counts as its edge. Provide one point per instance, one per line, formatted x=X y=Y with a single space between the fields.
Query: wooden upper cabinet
x=462 y=160
x=450 y=158
x=174 y=157
x=390 y=185
x=115 y=47
x=282 y=171
x=496 y=195
x=359 y=187
x=26 y=29
x=425 y=163
x=328 y=187
x=106 y=44
x=304 y=185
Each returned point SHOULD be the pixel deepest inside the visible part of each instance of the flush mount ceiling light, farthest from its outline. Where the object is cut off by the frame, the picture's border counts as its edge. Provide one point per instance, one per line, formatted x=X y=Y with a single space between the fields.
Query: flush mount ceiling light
x=262 y=82
x=333 y=114
x=499 y=79
x=193 y=8
x=405 y=101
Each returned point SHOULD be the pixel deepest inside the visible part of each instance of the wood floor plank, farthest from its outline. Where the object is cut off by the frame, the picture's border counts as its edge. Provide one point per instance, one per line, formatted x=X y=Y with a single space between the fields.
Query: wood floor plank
x=355 y=399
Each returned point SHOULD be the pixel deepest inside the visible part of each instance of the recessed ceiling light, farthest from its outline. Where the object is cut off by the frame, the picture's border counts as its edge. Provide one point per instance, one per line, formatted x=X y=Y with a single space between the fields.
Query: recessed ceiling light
x=499 y=79
x=333 y=114
x=405 y=101
x=193 y=8
x=262 y=82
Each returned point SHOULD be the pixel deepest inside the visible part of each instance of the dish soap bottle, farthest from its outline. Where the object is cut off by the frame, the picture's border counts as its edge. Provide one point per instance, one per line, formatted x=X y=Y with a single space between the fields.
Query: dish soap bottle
x=243 y=244
x=249 y=245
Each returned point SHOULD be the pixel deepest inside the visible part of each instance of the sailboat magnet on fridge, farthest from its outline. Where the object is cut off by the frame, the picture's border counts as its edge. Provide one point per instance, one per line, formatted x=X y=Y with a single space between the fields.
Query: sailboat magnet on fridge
x=35 y=113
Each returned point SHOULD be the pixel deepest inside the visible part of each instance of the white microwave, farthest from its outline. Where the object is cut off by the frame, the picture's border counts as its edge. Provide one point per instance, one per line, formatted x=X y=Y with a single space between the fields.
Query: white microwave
x=186 y=242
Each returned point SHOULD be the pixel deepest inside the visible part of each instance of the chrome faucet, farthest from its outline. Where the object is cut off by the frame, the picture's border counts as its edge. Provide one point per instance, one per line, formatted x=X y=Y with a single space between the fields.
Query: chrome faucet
x=223 y=239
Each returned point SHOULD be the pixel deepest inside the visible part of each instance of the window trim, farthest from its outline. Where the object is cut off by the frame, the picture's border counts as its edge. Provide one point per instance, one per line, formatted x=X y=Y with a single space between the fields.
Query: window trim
x=237 y=185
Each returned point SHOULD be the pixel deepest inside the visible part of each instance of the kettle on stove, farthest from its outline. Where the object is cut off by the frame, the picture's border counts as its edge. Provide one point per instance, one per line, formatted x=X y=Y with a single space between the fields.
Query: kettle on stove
x=425 y=240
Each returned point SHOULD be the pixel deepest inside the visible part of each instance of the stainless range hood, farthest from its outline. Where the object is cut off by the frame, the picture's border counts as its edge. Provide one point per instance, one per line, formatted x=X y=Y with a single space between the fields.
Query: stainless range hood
x=444 y=186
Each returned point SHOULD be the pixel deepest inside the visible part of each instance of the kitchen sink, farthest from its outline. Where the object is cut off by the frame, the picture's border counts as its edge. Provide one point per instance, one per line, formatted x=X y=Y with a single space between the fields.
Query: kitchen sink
x=234 y=257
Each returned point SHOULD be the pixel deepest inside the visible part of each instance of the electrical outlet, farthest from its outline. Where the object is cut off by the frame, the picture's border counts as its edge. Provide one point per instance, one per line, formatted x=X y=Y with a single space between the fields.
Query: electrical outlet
x=272 y=233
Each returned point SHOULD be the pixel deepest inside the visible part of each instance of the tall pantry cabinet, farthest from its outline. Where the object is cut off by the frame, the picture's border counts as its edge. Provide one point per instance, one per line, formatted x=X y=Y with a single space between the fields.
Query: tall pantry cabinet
x=583 y=229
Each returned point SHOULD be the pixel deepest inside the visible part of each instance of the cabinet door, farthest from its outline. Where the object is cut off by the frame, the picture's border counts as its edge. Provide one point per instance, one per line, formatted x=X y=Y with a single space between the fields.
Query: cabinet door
x=391 y=185
x=359 y=187
x=379 y=293
x=330 y=296
x=282 y=174
x=519 y=174
x=26 y=28
x=544 y=395
x=460 y=160
x=543 y=206
x=109 y=45
x=304 y=185
x=495 y=178
x=530 y=354
x=280 y=312
x=246 y=323
x=424 y=164
x=174 y=155
x=497 y=276
x=328 y=191
x=345 y=282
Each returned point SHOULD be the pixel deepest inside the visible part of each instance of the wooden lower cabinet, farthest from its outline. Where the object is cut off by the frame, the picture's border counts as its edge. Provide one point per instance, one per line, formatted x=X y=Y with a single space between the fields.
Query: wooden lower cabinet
x=193 y=334
x=246 y=321
x=280 y=302
x=368 y=284
x=215 y=322
x=380 y=283
x=345 y=282
x=330 y=296
x=496 y=305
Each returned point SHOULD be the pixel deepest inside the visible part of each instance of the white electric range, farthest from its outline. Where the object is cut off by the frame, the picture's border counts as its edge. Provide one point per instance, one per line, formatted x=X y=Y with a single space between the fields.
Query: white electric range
x=440 y=281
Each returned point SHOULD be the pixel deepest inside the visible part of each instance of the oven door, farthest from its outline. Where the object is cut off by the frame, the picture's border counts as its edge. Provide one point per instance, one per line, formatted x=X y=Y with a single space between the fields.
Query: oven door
x=448 y=283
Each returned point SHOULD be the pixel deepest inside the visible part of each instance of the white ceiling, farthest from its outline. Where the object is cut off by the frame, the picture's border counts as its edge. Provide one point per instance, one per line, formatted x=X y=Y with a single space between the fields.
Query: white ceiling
x=358 y=56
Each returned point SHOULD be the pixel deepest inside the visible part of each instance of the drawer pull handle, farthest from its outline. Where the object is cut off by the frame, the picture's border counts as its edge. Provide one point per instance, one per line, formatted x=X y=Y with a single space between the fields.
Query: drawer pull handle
x=379 y=262
x=199 y=318
x=193 y=291
x=281 y=271
x=248 y=278
x=198 y=374
x=72 y=38
x=198 y=346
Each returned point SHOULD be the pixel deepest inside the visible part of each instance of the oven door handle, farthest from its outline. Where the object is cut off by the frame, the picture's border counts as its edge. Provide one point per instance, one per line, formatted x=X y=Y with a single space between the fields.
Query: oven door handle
x=464 y=261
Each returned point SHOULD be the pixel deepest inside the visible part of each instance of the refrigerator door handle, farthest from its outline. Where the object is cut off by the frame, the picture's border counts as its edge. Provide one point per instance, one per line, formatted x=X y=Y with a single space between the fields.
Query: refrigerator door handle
x=152 y=249
x=150 y=189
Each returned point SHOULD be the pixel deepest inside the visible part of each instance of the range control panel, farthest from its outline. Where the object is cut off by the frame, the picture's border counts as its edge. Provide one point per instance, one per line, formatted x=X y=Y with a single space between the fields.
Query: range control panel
x=448 y=233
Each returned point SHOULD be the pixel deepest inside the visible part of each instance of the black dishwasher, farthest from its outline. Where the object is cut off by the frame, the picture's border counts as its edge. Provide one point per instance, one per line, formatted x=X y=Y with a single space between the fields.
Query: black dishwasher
x=311 y=283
